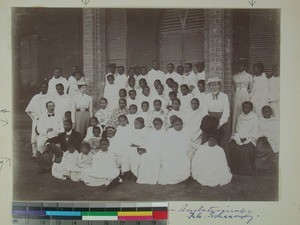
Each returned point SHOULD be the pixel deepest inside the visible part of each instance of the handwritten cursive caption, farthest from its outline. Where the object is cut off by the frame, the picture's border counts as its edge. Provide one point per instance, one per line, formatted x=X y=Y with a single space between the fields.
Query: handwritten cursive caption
x=5 y=161
x=215 y=212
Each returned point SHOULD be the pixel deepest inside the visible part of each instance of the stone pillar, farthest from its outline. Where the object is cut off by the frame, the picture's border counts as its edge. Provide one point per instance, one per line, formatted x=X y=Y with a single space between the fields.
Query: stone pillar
x=218 y=46
x=94 y=51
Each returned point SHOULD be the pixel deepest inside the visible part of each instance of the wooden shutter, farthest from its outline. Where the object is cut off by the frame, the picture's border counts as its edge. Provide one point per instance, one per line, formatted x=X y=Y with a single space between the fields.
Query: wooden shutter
x=29 y=59
x=264 y=38
x=116 y=37
x=181 y=41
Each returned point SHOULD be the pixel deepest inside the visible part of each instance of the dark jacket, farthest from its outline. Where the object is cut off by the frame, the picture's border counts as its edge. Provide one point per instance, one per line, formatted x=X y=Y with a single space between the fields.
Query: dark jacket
x=74 y=139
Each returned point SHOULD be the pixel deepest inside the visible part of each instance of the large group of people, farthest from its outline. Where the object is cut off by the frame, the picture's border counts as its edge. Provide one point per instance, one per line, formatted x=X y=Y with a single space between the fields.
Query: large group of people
x=157 y=128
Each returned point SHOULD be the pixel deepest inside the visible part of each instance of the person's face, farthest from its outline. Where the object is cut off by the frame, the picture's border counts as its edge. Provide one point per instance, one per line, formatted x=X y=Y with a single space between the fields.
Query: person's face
x=122 y=121
x=142 y=84
x=75 y=69
x=71 y=149
x=157 y=106
x=131 y=83
x=85 y=150
x=156 y=83
x=132 y=95
x=201 y=87
x=160 y=89
x=67 y=126
x=120 y=70
x=50 y=107
x=68 y=116
x=131 y=72
x=144 y=71
x=110 y=80
x=267 y=112
x=132 y=110
x=214 y=87
x=200 y=68
x=77 y=76
x=157 y=125
x=137 y=124
x=122 y=104
x=83 y=89
x=246 y=108
x=104 y=146
x=188 y=68
x=96 y=132
x=241 y=67
x=103 y=104
x=60 y=90
x=256 y=70
x=170 y=68
x=110 y=133
x=172 y=97
x=177 y=125
x=180 y=70
x=57 y=73
x=155 y=65
x=146 y=91
x=212 y=142
x=112 y=69
x=145 y=107
x=122 y=94
x=184 y=90
x=175 y=105
x=175 y=87
x=169 y=83
x=93 y=122
x=44 y=89
x=194 y=105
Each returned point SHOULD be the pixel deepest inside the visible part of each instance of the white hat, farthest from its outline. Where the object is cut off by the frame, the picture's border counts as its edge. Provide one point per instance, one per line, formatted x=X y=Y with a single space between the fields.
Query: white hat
x=213 y=79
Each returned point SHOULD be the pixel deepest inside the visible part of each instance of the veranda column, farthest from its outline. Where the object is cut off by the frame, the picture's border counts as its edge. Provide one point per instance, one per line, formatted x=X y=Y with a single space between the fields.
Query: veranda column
x=94 y=51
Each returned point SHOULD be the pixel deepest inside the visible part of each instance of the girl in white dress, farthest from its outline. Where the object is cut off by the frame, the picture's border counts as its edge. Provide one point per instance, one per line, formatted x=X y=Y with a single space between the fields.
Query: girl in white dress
x=209 y=166
x=175 y=162
x=104 y=113
x=150 y=163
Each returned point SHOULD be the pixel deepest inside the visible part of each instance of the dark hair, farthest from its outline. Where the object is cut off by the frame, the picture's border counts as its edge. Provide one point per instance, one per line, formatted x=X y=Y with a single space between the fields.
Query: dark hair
x=60 y=85
x=132 y=91
x=177 y=99
x=177 y=119
x=160 y=85
x=123 y=99
x=175 y=83
x=196 y=99
x=104 y=140
x=146 y=87
x=123 y=116
x=110 y=75
x=248 y=103
x=141 y=120
x=143 y=80
x=131 y=78
x=49 y=103
x=157 y=100
x=85 y=144
x=185 y=85
x=133 y=105
x=169 y=80
x=104 y=99
x=266 y=106
x=171 y=64
x=56 y=68
x=201 y=82
x=145 y=102
x=94 y=118
x=158 y=120
x=68 y=121
x=172 y=93
x=180 y=66
x=96 y=128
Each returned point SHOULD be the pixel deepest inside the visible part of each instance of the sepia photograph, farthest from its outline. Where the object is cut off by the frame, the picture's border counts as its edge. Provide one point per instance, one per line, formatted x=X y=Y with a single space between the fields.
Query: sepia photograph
x=116 y=104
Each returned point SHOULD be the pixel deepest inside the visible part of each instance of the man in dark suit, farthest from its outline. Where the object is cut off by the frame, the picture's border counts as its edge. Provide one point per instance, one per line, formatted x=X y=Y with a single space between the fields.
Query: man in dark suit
x=58 y=145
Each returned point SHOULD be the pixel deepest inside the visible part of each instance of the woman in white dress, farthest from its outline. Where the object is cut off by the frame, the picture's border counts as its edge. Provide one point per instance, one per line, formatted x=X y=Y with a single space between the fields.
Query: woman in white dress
x=175 y=162
x=243 y=83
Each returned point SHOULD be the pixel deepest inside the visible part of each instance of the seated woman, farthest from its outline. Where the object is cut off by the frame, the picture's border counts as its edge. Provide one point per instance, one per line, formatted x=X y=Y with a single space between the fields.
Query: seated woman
x=209 y=166
x=175 y=162
x=150 y=164
x=267 y=146
x=242 y=146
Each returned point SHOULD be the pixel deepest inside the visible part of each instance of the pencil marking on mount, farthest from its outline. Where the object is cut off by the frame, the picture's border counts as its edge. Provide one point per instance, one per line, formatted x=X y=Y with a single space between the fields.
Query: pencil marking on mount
x=85 y=2
x=4 y=161
x=5 y=122
x=252 y=3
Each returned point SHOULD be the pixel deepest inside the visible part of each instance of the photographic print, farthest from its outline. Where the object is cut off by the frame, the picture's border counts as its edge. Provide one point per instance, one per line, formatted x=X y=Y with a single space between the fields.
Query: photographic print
x=143 y=104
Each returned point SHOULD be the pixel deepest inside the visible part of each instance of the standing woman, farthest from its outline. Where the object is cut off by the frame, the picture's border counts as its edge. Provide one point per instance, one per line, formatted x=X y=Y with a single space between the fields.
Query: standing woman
x=82 y=109
x=218 y=108
x=243 y=83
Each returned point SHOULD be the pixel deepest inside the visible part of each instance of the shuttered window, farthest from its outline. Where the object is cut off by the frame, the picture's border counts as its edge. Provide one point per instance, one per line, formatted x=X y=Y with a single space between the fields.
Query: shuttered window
x=264 y=38
x=116 y=36
x=181 y=36
x=29 y=59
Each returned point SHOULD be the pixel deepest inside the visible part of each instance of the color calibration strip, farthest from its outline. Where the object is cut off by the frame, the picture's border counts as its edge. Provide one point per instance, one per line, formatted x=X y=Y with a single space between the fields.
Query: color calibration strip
x=91 y=211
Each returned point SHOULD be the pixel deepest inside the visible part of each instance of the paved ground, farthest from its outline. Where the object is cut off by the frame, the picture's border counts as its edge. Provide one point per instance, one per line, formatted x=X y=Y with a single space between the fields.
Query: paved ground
x=31 y=183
